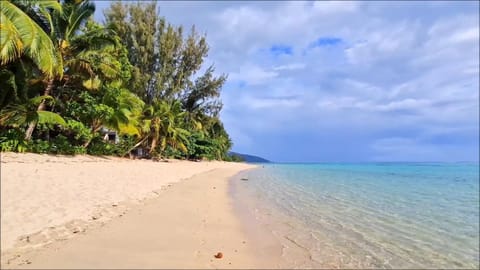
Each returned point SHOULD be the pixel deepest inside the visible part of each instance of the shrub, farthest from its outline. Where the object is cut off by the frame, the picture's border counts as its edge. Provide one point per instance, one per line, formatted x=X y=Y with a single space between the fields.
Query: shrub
x=39 y=146
x=99 y=147
x=13 y=140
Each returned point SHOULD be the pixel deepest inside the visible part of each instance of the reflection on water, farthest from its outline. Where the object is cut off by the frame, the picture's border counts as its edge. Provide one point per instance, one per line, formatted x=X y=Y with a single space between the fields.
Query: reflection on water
x=369 y=215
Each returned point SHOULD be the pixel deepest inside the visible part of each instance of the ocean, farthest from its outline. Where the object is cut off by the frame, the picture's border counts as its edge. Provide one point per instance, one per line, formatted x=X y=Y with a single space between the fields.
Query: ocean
x=368 y=215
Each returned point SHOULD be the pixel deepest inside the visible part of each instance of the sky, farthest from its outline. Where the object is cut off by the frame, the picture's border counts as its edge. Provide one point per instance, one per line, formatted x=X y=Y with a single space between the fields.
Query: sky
x=343 y=81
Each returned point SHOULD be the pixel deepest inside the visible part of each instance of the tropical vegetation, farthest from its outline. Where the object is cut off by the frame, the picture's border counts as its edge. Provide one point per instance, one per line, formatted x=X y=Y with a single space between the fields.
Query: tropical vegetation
x=67 y=82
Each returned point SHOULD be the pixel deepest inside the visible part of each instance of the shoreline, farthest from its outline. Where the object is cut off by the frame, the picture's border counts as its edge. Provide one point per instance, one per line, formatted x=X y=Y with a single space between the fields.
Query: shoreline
x=325 y=219
x=268 y=245
x=186 y=195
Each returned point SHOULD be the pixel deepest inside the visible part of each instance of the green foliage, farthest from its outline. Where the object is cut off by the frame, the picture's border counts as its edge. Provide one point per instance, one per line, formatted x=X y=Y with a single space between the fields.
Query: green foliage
x=234 y=158
x=16 y=115
x=39 y=146
x=78 y=131
x=125 y=145
x=21 y=35
x=64 y=79
x=50 y=118
x=164 y=62
x=61 y=145
x=11 y=140
x=100 y=147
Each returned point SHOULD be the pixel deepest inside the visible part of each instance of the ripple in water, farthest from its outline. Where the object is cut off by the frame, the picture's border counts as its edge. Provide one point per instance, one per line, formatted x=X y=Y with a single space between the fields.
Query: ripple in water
x=370 y=215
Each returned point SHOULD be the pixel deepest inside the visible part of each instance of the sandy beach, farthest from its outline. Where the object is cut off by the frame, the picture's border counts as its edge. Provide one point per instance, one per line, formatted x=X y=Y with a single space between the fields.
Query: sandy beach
x=93 y=212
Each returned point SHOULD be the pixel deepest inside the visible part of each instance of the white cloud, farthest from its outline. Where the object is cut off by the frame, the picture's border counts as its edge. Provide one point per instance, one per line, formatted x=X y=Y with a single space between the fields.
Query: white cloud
x=293 y=66
x=407 y=149
x=410 y=72
x=253 y=75
x=467 y=35
x=264 y=103
x=329 y=7
x=405 y=104
x=379 y=42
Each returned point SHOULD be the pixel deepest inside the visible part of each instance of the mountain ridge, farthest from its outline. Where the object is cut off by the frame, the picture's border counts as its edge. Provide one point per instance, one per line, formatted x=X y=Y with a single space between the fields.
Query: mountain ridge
x=249 y=158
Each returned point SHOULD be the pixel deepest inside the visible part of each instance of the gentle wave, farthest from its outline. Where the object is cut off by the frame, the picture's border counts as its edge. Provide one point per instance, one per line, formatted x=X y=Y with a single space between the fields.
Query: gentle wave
x=378 y=215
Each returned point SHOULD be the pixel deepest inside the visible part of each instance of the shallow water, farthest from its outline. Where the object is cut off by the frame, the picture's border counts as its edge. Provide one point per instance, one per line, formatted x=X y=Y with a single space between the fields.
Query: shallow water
x=377 y=215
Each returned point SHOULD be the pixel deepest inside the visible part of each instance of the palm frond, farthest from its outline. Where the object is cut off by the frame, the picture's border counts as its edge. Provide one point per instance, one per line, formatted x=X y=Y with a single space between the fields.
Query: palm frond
x=81 y=11
x=46 y=117
x=19 y=35
x=24 y=113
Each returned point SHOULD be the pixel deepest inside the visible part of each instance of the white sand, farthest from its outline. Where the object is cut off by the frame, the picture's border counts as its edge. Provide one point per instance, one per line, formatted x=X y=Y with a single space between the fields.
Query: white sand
x=48 y=197
x=184 y=227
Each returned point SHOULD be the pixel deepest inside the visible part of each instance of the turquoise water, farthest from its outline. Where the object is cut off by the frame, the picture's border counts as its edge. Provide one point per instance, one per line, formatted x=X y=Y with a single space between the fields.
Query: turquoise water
x=382 y=215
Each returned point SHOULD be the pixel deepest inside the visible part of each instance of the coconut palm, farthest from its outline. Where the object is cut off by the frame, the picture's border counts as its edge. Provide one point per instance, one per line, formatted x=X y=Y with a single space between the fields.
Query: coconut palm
x=173 y=133
x=21 y=35
x=76 y=47
x=16 y=115
x=163 y=126
x=118 y=109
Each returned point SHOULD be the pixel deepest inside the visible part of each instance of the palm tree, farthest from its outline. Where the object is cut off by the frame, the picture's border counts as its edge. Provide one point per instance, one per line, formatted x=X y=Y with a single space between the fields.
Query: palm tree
x=118 y=109
x=127 y=111
x=21 y=35
x=173 y=133
x=162 y=124
x=16 y=115
x=74 y=47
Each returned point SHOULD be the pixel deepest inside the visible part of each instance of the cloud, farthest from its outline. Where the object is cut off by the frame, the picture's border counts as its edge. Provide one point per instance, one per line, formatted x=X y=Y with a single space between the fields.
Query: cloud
x=344 y=81
x=293 y=66
x=333 y=7
x=381 y=43
x=252 y=75
x=280 y=102
x=467 y=35
x=407 y=149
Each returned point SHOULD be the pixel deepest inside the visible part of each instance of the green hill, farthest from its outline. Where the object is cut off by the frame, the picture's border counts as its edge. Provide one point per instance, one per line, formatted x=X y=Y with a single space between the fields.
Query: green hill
x=250 y=158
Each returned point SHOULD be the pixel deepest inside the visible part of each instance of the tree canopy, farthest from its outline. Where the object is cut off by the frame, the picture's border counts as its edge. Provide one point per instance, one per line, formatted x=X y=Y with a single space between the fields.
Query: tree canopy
x=67 y=82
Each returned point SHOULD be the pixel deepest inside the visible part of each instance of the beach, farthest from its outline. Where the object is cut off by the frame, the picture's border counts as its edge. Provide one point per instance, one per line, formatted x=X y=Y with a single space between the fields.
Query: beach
x=84 y=212
x=94 y=212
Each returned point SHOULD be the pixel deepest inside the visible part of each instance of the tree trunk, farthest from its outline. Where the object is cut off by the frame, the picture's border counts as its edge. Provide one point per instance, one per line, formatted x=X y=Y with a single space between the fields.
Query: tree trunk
x=94 y=130
x=85 y=145
x=129 y=151
x=41 y=107
x=154 y=144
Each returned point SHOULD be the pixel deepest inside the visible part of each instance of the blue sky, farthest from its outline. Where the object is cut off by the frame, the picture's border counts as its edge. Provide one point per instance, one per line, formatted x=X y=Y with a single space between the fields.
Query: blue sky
x=344 y=81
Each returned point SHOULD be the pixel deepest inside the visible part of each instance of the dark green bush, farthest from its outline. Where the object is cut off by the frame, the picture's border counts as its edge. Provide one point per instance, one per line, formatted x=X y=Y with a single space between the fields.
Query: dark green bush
x=99 y=147
x=12 y=140
x=125 y=144
x=39 y=146
x=61 y=145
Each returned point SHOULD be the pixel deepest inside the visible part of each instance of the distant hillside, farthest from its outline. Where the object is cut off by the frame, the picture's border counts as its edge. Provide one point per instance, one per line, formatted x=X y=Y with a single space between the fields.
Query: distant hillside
x=250 y=158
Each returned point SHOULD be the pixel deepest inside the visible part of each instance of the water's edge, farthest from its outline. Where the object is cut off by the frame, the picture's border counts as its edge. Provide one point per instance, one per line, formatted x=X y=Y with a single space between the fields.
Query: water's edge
x=338 y=227
x=266 y=228
x=268 y=248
